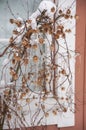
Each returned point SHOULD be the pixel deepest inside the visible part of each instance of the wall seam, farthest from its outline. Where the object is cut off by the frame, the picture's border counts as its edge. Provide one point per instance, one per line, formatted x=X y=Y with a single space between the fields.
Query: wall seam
x=84 y=82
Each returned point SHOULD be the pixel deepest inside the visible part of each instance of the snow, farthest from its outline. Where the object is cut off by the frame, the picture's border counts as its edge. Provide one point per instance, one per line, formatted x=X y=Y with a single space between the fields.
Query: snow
x=2 y=83
x=33 y=23
x=44 y=5
x=47 y=5
x=5 y=62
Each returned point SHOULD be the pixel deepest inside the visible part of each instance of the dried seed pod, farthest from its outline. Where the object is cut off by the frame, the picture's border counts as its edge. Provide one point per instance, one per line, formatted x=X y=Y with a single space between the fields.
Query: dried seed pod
x=62 y=98
x=24 y=79
x=27 y=90
x=43 y=107
x=56 y=36
x=35 y=46
x=17 y=22
x=26 y=61
x=65 y=109
x=25 y=42
x=6 y=92
x=52 y=47
x=66 y=16
x=17 y=57
x=9 y=116
x=63 y=35
x=34 y=97
x=54 y=66
x=66 y=98
x=59 y=32
x=46 y=114
x=29 y=21
x=12 y=72
x=44 y=98
x=60 y=11
x=11 y=40
x=52 y=9
x=41 y=40
x=15 y=32
x=76 y=17
x=19 y=108
x=71 y=16
x=15 y=76
x=35 y=58
x=63 y=72
x=13 y=61
x=12 y=21
x=27 y=100
x=22 y=95
x=68 y=11
x=54 y=112
x=36 y=104
x=62 y=88
x=68 y=30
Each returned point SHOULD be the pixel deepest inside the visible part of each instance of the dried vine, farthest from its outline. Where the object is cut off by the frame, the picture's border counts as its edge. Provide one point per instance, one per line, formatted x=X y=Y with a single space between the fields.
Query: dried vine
x=35 y=71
